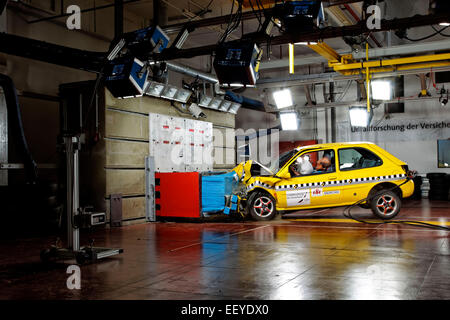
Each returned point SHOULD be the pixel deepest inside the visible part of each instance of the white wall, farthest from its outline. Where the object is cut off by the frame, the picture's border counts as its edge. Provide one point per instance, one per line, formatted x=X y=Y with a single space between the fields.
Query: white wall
x=417 y=148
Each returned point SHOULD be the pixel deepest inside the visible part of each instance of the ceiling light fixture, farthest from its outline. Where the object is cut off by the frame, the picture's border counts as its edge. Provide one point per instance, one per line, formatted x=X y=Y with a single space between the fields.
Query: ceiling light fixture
x=289 y=121
x=283 y=98
x=381 y=90
x=359 y=117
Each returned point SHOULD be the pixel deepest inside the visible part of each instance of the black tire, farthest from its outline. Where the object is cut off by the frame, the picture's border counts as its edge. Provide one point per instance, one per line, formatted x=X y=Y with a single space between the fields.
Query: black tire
x=262 y=206
x=438 y=186
x=418 y=180
x=438 y=175
x=438 y=191
x=439 y=197
x=385 y=204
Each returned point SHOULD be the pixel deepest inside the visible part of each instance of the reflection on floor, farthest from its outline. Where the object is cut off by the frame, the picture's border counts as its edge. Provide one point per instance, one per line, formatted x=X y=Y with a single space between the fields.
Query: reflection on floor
x=282 y=259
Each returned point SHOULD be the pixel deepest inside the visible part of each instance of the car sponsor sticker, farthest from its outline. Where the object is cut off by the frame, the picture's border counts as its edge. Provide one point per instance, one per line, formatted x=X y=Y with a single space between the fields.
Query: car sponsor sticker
x=298 y=198
x=327 y=193
x=316 y=192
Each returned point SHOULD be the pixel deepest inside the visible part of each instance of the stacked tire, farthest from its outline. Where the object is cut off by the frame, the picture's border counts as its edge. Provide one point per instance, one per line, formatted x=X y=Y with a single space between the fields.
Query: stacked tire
x=439 y=186
x=417 y=195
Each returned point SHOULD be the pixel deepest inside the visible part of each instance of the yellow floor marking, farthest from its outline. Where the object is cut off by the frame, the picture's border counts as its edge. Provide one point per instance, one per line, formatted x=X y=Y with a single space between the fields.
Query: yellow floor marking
x=438 y=223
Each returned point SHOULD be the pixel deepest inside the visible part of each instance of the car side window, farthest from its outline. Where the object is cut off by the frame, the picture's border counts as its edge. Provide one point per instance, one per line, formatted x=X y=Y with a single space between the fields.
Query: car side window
x=357 y=158
x=312 y=163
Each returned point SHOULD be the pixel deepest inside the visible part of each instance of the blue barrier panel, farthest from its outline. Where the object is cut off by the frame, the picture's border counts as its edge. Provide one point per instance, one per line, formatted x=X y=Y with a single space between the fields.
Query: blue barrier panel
x=214 y=190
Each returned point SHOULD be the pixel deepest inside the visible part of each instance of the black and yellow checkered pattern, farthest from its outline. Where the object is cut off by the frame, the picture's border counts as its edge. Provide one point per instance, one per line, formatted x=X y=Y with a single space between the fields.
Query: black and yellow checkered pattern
x=325 y=184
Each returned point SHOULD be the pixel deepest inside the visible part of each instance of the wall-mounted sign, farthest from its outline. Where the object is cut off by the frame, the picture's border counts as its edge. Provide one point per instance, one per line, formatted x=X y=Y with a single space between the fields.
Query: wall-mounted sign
x=396 y=130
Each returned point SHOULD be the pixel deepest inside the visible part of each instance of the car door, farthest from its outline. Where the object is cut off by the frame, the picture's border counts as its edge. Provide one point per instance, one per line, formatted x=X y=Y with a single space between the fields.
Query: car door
x=356 y=165
x=312 y=190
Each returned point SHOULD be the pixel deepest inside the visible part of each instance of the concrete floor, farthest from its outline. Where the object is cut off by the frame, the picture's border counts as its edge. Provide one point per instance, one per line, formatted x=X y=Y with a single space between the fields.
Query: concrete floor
x=287 y=259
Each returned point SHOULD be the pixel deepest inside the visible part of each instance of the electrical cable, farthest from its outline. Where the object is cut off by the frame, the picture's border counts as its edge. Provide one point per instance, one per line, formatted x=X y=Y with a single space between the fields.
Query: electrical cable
x=233 y=23
x=429 y=36
x=258 y=16
x=347 y=213
x=440 y=31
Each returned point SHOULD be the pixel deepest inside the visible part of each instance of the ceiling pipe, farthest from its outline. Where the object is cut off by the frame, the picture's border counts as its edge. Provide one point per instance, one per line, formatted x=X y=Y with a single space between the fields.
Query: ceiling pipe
x=192 y=72
x=332 y=105
x=331 y=32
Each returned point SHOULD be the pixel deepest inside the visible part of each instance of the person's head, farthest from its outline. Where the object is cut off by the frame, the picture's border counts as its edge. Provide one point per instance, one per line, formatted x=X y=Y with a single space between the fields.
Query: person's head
x=324 y=163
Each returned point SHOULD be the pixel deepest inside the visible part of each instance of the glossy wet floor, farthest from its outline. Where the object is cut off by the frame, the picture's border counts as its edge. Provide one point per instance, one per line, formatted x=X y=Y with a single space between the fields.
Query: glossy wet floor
x=316 y=255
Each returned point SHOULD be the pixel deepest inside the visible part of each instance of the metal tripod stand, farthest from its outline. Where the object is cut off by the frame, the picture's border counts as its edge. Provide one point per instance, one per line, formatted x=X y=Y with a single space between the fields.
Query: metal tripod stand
x=81 y=254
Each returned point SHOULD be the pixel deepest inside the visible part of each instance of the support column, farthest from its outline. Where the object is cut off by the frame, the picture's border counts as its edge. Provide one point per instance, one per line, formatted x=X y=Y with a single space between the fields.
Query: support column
x=118 y=18
x=160 y=17
x=333 y=114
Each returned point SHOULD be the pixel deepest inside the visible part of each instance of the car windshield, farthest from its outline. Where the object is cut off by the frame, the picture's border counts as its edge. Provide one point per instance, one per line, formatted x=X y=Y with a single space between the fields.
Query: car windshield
x=282 y=160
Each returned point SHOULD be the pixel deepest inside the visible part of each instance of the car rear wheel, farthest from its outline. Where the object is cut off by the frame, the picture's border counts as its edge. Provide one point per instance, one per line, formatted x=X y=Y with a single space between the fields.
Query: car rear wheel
x=262 y=207
x=386 y=204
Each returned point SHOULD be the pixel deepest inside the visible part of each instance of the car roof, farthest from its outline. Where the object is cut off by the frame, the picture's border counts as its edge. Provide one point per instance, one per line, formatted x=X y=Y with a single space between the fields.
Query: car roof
x=336 y=144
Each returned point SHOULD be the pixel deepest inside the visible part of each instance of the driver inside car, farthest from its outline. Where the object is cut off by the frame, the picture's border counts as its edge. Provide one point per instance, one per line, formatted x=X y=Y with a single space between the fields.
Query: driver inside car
x=302 y=166
x=324 y=164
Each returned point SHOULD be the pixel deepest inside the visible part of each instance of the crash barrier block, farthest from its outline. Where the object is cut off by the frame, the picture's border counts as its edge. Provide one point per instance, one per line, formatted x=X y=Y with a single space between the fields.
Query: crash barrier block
x=215 y=188
x=177 y=194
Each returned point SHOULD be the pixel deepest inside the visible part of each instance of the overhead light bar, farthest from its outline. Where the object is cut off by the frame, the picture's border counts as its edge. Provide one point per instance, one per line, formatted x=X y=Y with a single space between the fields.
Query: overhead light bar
x=381 y=90
x=359 y=117
x=283 y=98
x=225 y=105
x=289 y=121
x=154 y=89
x=182 y=95
x=205 y=101
x=215 y=103
x=169 y=92
x=160 y=90
x=306 y=43
x=234 y=108
x=181 y=39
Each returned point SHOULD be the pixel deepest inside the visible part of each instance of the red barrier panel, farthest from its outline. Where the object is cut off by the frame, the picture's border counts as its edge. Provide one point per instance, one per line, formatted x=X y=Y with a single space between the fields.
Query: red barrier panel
x=177 y=194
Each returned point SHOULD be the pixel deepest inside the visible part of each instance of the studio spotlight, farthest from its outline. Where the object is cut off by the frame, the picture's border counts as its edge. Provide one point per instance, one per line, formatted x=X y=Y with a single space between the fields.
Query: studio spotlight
x=359 y=117
x=381 y=90
x=289 y=121
x=283 y=98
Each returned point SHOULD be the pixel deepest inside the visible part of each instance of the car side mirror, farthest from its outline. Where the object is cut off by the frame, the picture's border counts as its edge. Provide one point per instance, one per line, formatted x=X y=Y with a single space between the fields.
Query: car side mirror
x=283 y=175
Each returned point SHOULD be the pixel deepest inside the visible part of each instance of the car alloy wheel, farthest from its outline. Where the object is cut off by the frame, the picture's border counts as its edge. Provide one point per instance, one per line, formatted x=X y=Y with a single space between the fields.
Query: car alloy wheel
x=263 y=207
x=386 y=204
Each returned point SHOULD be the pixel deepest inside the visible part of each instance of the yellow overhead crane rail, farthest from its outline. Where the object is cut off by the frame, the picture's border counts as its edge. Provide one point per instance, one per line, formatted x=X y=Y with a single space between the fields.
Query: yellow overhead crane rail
x=346 y=65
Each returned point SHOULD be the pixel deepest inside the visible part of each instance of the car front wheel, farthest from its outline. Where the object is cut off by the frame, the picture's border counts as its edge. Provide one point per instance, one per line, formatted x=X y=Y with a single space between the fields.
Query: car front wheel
x=262 y=207
x=386 y=204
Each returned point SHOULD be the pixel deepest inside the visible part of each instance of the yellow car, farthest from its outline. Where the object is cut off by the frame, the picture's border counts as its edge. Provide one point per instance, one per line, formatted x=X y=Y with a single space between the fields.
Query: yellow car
x=328 y=175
